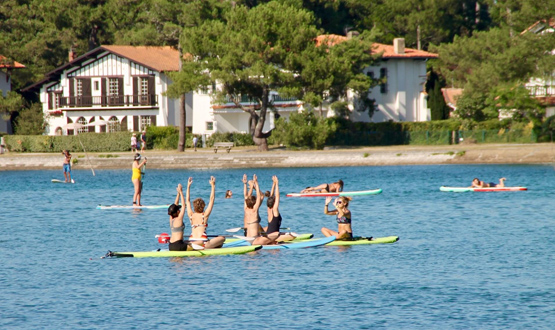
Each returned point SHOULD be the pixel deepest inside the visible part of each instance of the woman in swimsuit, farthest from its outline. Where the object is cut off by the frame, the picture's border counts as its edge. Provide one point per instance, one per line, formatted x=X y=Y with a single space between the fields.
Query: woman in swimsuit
x=136 y=178
x=476 y=183
x=199 y=218
x=344 y=230
x=176 y=213
x=252 y=219
x=274 y=217
x=247 y=194
x=324 y=188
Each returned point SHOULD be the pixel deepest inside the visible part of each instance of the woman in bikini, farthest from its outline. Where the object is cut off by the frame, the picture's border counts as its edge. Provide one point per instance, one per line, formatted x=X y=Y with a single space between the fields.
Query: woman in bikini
x=252 y=219
x=274 y=217
x=476 y=183
x=199 y=218
x=325 y=187
x=343 y=217
x=246 y=194
x=136 y=178
x=176 y=213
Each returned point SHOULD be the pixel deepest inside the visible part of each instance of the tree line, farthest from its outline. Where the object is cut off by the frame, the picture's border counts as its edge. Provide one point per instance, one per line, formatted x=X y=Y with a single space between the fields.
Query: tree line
x=257 y=46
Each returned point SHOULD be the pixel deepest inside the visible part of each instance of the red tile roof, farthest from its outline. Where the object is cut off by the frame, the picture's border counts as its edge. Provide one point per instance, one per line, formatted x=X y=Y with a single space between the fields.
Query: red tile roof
x=387 y=50
x=451 y=95
x=5 y=63
x=158 y=58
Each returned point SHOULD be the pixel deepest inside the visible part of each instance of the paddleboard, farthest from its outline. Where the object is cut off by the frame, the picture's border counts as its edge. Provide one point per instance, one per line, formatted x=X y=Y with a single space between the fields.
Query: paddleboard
x=119 y=207
x=364 y=241
x=300 y=237
x=465 y=189
x=288 y=245
x=337 y=194
x=60 y=181
x=197 y=253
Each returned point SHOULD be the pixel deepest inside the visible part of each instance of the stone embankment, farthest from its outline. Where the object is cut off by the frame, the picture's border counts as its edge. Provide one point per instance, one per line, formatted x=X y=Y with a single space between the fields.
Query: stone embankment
x=247 y=157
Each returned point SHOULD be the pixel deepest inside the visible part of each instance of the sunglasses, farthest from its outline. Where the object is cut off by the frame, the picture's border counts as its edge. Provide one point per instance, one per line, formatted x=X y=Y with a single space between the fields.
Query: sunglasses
x=339 y=202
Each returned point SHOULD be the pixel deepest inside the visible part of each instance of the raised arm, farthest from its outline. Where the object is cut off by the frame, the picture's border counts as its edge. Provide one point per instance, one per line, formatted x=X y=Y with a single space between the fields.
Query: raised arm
x=244 y=186
x=276 y=191
x=326 y=211
x=180 y=195
x=212 y=194
x=258 y=199
x=188 y=198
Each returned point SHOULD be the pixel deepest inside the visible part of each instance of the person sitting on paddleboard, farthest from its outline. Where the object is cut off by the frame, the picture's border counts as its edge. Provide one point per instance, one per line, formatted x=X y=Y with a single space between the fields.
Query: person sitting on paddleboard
x=274 y=217
x=344 y=230
x=67 y=165
x=476 y=183
x=247 y=194
x=176 y=213
x=136 y=178
x=252 y=219
x=199 y=218
x=325 y=188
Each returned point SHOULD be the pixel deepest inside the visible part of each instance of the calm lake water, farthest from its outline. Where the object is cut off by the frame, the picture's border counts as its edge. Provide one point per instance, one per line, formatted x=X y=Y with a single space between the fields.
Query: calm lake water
x=464 y=260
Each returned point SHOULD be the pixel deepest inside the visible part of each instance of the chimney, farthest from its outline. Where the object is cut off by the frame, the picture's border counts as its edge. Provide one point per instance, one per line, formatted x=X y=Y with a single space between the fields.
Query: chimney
x=71 y=54
x=352 y=34
x=399 y=46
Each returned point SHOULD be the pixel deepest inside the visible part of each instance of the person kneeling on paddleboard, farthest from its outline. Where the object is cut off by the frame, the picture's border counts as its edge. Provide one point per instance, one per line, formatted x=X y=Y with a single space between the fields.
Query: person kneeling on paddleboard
x=476 y=183
x=252 y=219
x=344 y=230
x=176 y=213
x=325 y=188
x=199 y=219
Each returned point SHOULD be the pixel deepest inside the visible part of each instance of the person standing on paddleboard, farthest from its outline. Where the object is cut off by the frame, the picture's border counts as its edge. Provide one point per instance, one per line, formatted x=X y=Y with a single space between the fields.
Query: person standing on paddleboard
x=325 y=188
x=343 y=217
x=198 y=217
x=67 y=165
x=476 y=183
x=136 y=178
x=252 y=218
x=274 y=217
x=176 y=213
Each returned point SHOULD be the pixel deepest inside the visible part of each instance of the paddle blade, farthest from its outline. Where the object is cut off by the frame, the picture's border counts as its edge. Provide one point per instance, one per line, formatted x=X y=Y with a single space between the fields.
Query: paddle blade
x=234 y=230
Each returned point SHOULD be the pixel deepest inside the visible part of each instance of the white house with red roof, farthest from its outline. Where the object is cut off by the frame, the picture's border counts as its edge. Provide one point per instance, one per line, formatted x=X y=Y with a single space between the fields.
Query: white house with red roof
x=6 y=68
x=111 y=88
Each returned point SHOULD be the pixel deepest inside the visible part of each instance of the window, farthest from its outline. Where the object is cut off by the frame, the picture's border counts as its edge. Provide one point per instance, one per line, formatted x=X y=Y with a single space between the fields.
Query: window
x=370 y=74
x=79 y=88
x=113 y=125
x=383 y=77
x=143 y=90
x=97 y=85
x=209 y=125
x=113 y=89
x=83 y=122
x=145 y=122
x=57 y=100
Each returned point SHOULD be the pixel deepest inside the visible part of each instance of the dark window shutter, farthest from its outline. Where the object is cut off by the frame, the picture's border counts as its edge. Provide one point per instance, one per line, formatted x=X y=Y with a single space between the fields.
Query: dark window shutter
x=103 y=92
x=151 y=93
x=135 y=123
x=383 y=86
x=123 y=124
x=71 y=91
x=135 y=90
x=152 y=120
x=91 y=129
x=87 y=94
x=120 y=91
x=50 y=100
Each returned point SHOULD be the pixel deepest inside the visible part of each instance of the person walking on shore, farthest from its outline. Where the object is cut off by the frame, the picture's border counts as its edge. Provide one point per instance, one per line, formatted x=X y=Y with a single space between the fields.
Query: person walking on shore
x=143 y=141
x=134 y=142
x=195 y=141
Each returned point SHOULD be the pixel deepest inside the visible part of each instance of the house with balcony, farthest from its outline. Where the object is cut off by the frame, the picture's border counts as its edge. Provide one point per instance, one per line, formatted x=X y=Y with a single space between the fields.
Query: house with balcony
x=543 y=88
x=6 y=68
x=111 y=88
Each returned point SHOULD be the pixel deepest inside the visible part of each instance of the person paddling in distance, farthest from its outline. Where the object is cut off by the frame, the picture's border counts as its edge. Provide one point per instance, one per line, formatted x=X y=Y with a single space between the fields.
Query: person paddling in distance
x=476 y=183
x=325 y=188
x=176 y=213
x=67 y=165
x=198 y=217
x=136 y=178
x=252 y=219
x=343 y=217
x=274 y=217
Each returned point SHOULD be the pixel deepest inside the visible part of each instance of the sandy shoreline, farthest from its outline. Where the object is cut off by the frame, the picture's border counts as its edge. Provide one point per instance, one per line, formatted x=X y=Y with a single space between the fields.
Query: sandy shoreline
x=247 y=157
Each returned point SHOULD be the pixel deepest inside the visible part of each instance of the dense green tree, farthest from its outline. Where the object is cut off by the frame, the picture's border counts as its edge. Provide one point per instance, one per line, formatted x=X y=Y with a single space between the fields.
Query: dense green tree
x=247 y=55
x=30 y=121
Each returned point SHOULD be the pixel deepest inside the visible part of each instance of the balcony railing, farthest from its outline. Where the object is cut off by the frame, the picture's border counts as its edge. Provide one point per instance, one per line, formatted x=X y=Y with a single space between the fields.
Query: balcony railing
x=546 y=90
x=273 y=98
x=108 y=101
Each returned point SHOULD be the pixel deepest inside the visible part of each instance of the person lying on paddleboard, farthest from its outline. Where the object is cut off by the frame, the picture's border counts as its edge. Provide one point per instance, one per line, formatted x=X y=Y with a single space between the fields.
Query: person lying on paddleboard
x=67 y=165
x=136 y=178
x=476 y=183
x=251 y=206
x=343 y=217
x=325 y=188
x=199 y=218
x=274 y=217
x=176 y=213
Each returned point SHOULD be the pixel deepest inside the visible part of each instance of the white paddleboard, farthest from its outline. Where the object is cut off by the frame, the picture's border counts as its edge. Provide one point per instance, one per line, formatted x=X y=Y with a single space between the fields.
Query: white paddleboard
x=60 y=181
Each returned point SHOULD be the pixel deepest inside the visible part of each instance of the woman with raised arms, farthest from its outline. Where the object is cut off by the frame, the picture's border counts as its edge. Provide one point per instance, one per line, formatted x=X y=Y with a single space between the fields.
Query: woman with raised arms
x=252 y=219
x=198 y=217
x=176 y=213
x=274 y=217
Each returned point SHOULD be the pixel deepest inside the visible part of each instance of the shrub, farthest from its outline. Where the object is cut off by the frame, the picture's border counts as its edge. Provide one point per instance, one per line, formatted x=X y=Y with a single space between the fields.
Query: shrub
x=303 y=130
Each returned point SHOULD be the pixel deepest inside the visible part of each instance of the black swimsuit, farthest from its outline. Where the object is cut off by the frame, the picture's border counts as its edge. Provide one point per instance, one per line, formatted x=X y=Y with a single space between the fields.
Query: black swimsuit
x=274 y=225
